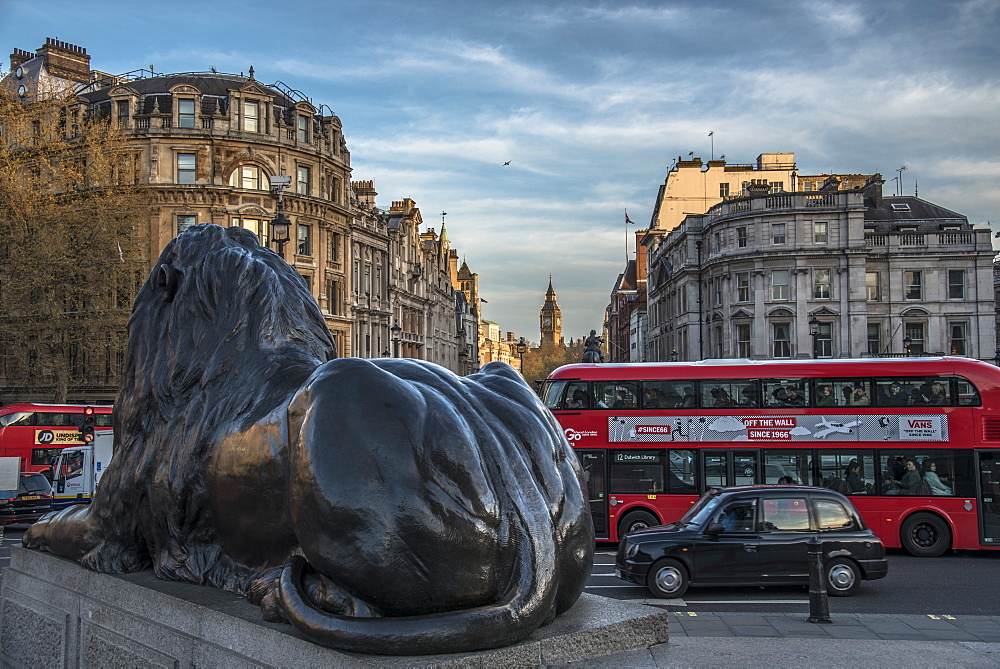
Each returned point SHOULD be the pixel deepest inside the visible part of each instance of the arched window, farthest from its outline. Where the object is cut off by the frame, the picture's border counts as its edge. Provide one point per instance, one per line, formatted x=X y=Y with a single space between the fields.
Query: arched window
x=248 y=176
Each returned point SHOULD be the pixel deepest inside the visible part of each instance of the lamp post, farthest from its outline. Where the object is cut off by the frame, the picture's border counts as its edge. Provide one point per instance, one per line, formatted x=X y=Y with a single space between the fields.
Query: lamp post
x=279 y=224
x=395 y=329
x=907 y=342
x=814 y=324
x=522 y=347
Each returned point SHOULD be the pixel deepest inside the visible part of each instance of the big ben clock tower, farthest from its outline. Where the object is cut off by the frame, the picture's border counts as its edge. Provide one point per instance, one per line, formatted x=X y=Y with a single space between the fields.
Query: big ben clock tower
x=550 y=319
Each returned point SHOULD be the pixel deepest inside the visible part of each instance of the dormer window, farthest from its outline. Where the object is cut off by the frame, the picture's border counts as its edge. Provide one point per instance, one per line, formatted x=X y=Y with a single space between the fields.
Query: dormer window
x=303 y=128
x=251 y=116
x=185 y=113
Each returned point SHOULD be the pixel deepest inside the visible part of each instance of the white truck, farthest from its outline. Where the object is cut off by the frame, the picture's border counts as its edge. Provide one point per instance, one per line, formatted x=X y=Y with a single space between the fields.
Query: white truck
x=79 y=468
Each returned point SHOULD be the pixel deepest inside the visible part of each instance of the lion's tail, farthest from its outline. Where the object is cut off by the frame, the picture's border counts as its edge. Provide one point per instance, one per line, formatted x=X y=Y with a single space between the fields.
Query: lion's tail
x=528 y=603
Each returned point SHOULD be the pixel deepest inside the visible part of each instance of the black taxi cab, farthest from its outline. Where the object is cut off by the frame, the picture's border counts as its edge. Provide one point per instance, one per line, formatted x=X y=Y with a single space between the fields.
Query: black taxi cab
x=754 y=535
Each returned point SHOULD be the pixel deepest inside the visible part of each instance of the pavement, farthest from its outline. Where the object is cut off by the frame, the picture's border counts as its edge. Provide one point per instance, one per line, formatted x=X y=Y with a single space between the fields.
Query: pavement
x=849 y=640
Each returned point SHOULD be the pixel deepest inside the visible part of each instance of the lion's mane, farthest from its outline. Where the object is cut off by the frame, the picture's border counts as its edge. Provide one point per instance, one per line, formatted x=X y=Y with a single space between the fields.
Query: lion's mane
x=203 y=355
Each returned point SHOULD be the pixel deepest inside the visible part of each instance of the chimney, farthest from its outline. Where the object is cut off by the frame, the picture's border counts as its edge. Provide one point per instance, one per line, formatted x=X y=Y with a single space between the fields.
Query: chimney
x=66 y=61
x=365 y=190
x=19 y=57
x=872 y=190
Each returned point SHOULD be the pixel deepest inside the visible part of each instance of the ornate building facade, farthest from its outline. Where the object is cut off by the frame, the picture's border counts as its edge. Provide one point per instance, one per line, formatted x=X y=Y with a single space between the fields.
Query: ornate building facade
x=208 y=144
x=831 y=274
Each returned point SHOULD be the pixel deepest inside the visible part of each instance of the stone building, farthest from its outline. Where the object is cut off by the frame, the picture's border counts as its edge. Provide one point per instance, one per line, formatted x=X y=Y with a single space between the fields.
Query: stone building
x=836 y=273
x=208 y=144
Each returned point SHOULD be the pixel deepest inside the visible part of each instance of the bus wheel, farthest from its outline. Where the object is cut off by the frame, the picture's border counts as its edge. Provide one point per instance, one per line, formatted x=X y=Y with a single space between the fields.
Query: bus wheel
x=635 y=521
x=668 y=579
x=925 y=535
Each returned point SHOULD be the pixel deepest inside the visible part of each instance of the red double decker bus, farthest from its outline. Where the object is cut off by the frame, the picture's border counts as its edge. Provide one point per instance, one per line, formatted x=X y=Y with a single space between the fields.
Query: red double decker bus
x=36 y=433
x=915 y=442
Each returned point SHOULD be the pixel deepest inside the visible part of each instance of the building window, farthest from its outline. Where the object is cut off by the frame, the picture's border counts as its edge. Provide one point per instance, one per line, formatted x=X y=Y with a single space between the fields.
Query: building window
x=777 y=186
x=871 y=286
x=185 y=113
x=821 y=232
x=334 y=254
x=741 y=237
x=302 y=180
x=779 y=284
x=254 y=225
x=185 y=168
x=303 y=128
x=959 y=338
x=718 y=241
x=956 y=284
x=780 y=334
x=185 y=221
x=743 y=286
x=718 y=341
x=824 y=340
x=723 y=190
x=874 y=339
x=304 y=247
x=808 y=186
x=915 y=332
x=743 y=340
x=913 y=284
x=333 y=297
x=821 y=284
x=123 y=114
x=777 y=233
x=251 y=116
x=718 y=291
x=247 y=176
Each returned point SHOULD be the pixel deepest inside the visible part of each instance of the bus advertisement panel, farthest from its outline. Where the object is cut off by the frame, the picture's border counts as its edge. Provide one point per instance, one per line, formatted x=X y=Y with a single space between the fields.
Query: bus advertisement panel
x=914 y=441
x=37 y=433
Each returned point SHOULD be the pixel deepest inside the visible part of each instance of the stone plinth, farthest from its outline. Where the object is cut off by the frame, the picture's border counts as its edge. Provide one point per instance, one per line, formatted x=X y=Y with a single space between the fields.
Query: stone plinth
x=55 y=613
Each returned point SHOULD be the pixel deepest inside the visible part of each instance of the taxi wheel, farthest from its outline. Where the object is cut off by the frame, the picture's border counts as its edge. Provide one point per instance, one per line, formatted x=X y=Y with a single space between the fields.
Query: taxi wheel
x=843 y=578
x=635 y=521
x=925 y=535
x=667 y=579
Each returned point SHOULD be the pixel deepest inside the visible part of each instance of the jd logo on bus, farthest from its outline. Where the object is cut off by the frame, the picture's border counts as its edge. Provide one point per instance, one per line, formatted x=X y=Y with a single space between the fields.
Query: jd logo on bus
x=46 y=437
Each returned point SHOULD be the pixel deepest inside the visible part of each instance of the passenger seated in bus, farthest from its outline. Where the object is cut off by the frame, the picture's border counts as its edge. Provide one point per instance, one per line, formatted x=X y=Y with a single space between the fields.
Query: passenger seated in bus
x=654 y=399
x=859 y=397
x=938 y=396
x=780 y=396
x=689 y=399
x=826 y=397
x=721 y=398
x=578 y=401
x=920 y=396
x=792 y=397
x=624 y=401
x=853 y=477
x=911 y=479
x=749 y=394
x=787 y=480
x=894 y=396
x=933 y=480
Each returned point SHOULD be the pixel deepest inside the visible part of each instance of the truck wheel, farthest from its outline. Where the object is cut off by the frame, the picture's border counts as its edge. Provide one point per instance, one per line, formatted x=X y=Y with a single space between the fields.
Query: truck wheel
x=925 y=535
x=635 y=521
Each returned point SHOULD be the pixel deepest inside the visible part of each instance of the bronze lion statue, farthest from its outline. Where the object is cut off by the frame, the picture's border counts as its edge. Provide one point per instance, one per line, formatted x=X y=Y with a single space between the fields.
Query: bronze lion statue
x=380 y=506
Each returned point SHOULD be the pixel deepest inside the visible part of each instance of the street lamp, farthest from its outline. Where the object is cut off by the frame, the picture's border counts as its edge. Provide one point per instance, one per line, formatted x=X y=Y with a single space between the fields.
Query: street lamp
x=522 y=347
x=907 y=342
x=395 y=329
x=814 y=324
x=279 y=224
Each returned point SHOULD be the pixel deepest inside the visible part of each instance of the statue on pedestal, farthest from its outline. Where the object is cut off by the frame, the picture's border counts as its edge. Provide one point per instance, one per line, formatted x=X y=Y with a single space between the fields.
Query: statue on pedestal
x=592 y=352
x=381 y=506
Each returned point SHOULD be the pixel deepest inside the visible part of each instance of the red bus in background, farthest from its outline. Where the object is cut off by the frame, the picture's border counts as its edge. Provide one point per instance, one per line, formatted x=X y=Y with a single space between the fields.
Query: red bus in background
x=36 y=433
x=915 y=442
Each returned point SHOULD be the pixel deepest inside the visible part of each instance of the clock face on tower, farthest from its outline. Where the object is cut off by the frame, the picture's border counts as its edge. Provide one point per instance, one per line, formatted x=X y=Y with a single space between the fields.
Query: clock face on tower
x=548 y=321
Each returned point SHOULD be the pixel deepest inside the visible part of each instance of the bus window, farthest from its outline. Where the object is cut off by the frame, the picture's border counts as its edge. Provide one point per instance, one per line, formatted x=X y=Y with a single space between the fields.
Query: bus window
x=966 y=393
x=576 y=395
x=663 y=394
x=723 y=393
x=785 y=393
x=19 y=418
x=553 y=393
x=616 y=394
x=781 y=466
x=637 y=472
x=44 y=457
x=681 y=471
x=851 y=472
x=841 y=393
x=923 y=472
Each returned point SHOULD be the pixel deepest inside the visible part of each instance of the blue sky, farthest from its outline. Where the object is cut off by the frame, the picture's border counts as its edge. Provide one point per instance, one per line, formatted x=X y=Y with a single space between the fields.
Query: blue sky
x=590 y=102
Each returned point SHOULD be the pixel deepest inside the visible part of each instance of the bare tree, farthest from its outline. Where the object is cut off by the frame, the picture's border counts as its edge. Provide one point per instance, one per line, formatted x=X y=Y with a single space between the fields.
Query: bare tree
x=73 y=240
